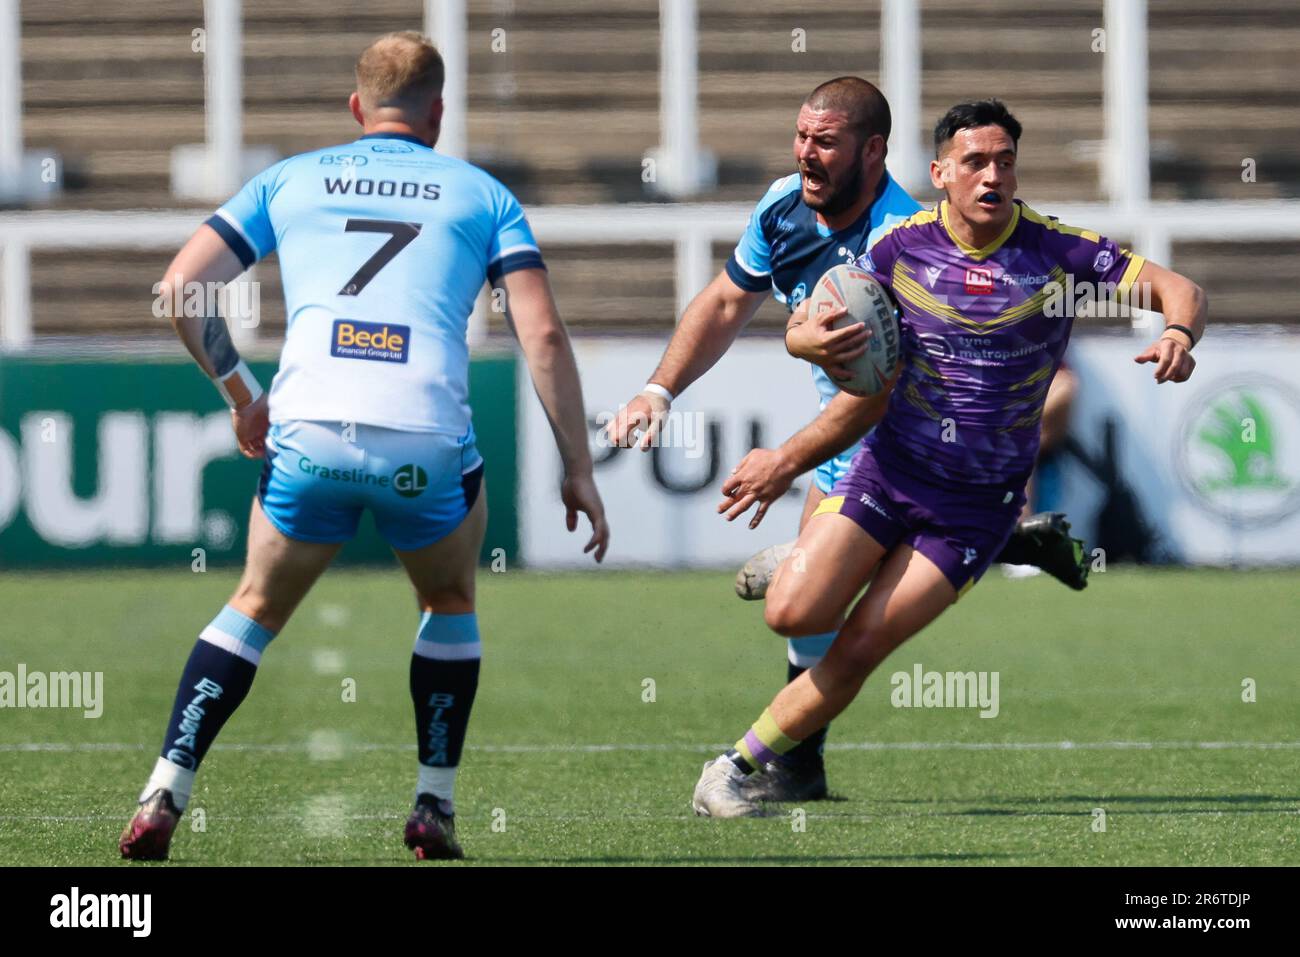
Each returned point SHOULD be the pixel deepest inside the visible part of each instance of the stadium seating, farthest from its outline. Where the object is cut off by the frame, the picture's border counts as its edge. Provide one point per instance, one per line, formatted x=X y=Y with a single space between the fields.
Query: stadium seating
x=565 y=113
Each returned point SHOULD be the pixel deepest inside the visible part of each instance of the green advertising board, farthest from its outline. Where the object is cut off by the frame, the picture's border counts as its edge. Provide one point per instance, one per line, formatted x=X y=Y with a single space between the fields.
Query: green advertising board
x=110 y=463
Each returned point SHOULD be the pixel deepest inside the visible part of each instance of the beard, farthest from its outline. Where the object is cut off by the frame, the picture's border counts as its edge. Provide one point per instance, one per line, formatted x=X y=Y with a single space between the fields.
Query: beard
x=844 y=195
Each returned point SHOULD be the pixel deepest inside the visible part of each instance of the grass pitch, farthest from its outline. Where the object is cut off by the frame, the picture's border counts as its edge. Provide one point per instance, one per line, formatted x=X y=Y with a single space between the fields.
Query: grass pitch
x=1126 y=698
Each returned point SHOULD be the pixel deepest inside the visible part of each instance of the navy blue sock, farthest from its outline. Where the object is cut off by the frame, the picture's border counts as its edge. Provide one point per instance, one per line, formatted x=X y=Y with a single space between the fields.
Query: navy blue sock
x=444 y=680
x=216 y=679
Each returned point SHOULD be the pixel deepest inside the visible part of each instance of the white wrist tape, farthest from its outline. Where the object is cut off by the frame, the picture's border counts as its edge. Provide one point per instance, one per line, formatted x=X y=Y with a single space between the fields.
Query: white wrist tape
x=654 y=388
x=238 y=387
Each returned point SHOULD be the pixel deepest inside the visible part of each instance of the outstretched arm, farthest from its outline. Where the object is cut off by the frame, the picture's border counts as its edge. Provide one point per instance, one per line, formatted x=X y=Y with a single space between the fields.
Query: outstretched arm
x=1184 y=305
x=531 y=311
x=708 y=327
x=764 y=475
x=206 y=259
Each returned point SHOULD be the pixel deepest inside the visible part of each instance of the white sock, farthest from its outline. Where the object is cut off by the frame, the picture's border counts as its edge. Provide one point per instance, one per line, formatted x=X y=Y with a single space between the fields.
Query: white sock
x=440 y=782
x=174 y=778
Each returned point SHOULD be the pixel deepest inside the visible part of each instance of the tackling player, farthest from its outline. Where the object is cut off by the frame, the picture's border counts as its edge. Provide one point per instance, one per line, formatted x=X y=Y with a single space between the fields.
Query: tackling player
x=383 y=246
x=936 y=490
x=827 y=213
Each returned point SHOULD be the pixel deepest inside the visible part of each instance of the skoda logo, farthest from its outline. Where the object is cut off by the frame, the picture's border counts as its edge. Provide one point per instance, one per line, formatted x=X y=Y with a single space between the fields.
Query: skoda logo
x=410 y=480
x=1239 y=450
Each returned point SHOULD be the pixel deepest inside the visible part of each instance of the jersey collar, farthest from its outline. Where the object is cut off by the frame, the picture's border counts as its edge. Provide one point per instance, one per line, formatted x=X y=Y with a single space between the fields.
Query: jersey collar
x=397 y=136
x=983 y=252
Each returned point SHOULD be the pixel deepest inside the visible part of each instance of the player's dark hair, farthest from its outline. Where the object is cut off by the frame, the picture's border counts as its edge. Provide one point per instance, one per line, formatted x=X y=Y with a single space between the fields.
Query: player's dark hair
x=969 y=116
x=866 y=106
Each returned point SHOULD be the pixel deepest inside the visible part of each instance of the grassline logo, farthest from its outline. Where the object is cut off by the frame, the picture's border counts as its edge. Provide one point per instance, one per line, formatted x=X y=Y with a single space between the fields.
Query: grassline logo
x=410 y=480
x=82 y=690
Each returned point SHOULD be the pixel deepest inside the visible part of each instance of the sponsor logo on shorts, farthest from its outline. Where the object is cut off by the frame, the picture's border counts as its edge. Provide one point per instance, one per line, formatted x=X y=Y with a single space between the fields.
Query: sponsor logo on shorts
x=979 y=281
x=410 y=480
x=379 y=342
x=352 y=476
x=870 y=503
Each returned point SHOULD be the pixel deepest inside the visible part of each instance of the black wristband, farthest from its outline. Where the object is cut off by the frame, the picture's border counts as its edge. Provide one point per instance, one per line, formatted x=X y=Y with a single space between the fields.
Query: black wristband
x=1185 y=331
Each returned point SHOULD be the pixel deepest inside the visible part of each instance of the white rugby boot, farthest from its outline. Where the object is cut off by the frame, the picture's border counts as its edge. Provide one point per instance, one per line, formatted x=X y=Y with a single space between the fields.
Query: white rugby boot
x=718 y=793
x=753 y=579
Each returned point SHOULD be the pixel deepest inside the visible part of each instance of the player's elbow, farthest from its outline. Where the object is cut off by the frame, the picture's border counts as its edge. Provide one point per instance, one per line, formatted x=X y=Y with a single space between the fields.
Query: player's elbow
x=1188 y=295
x=546 y=336
x=1200 y=301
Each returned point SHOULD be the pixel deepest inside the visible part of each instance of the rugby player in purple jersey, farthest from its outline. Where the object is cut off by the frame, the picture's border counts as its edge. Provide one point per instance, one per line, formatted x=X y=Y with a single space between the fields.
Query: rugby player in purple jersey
x=938 y=486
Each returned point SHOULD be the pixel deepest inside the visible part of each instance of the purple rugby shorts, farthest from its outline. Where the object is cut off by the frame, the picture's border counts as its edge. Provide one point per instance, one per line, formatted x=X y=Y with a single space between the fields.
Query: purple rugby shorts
x=959 y=528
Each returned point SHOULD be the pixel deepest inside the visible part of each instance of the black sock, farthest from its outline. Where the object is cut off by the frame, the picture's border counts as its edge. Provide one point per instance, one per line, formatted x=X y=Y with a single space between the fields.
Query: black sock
x=212 y=686
x=444 y=679
x=443 y=694
x=738 y=759
x=808 y=752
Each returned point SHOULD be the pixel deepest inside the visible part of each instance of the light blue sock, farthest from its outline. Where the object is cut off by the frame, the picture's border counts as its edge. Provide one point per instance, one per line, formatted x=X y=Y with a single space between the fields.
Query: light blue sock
x=803 y=653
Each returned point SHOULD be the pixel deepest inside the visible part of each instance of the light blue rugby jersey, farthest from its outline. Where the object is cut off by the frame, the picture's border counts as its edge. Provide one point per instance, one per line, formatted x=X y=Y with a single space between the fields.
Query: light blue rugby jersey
x=786 y=249
x=384 y=245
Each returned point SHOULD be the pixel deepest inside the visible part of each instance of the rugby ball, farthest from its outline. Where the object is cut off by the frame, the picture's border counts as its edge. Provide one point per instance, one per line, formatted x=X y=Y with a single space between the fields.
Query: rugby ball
x=848 y=287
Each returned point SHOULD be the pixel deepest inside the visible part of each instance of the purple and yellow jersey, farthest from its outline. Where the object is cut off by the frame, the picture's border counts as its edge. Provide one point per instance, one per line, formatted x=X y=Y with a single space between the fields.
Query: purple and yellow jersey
x=983 y=332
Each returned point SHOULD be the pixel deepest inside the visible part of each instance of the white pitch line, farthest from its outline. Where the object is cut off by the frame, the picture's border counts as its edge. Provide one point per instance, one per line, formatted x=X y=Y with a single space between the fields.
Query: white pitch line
x=64 y=746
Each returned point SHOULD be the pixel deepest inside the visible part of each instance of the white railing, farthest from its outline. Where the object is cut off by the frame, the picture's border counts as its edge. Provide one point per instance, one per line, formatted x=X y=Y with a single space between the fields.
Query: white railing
x=691 y=229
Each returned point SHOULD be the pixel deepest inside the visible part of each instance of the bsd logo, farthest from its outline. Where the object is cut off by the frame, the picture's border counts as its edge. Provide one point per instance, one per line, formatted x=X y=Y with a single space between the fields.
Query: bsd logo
x=410 y=480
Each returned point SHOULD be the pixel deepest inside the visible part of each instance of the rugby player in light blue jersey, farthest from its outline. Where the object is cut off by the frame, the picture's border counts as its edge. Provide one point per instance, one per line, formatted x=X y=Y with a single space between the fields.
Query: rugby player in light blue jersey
x=828 y=213
x=384 y=245
x=936 y=490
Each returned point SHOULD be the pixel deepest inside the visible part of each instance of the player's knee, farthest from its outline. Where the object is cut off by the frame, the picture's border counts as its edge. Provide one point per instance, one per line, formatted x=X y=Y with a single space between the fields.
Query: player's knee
x=259 y=607
x=455 y=599
x=792 y=617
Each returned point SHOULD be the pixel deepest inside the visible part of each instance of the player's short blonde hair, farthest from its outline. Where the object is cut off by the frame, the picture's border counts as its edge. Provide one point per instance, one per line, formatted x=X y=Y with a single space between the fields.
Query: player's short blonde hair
x=399 y=70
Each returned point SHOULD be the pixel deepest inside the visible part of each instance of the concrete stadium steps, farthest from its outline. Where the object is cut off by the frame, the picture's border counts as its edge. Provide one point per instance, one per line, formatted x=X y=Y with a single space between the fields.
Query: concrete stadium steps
x=567 y=112
x=605 y=289
x=570 y=107
x=600 y=289
x=111 y=291
x=1246 y=282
